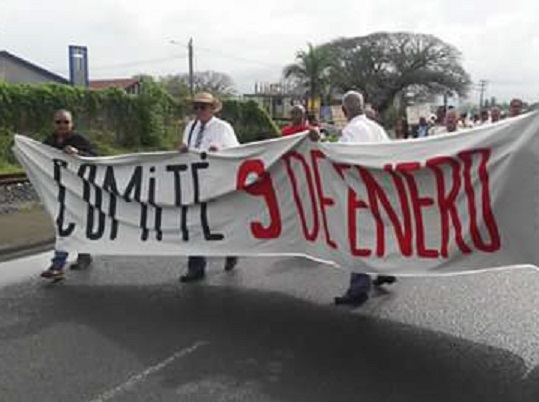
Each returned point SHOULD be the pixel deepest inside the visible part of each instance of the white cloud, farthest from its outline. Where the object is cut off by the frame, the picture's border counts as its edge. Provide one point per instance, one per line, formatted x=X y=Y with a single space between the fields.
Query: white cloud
x=253 y=40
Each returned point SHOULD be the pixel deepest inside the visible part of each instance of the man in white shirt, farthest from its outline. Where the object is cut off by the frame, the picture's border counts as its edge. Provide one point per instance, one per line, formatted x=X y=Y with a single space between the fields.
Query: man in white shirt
x=211 y=134
x=359 y=129
x=451 y=124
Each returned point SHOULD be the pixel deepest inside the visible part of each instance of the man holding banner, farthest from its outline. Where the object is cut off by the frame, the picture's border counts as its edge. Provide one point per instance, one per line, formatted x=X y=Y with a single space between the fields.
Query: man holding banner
x=297 y=121
x=206 y=133
x=360 y=128
x=65 y=138
x=458 y=203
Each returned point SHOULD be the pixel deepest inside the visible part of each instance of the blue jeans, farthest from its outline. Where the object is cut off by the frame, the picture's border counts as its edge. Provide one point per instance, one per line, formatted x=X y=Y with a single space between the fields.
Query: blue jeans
x=59 y=260
x=359 y=283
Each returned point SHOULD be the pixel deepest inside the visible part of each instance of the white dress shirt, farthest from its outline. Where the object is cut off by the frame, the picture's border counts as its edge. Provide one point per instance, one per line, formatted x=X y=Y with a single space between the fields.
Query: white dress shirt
x=439 y=130
x=216 y=132
x=363 y=129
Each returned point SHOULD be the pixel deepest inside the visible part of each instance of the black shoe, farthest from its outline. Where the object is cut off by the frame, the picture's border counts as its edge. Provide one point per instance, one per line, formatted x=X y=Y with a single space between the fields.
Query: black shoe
x=192 y=277
x=355 y=300
x=82 y=263
x=230 y=263
x=54 y=274
x=384 y=280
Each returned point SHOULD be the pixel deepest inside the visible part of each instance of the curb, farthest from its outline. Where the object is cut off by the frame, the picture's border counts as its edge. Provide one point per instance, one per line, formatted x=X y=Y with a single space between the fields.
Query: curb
x=11 y=253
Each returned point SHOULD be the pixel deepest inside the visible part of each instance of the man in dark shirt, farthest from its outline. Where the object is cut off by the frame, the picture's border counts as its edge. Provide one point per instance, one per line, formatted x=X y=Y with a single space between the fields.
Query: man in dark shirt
x=68 y=140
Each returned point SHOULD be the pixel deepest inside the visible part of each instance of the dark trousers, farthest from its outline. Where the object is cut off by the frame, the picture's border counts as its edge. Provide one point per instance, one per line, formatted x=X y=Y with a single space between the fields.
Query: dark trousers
x=197 y=264
x=359 y=283
x=59 y=261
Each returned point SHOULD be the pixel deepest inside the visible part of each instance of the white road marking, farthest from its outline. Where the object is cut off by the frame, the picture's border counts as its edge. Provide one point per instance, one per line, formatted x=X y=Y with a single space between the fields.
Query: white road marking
x=137 y=378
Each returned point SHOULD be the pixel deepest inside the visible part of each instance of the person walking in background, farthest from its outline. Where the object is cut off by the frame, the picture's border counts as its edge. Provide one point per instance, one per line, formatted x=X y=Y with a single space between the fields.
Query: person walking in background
x=400 y=131
x=371 y=112
x=422 y=128
x=71 y=142
x=515 y=107
x=298 y=122
x=495 y=114
x=484 y=118
x=451 y=124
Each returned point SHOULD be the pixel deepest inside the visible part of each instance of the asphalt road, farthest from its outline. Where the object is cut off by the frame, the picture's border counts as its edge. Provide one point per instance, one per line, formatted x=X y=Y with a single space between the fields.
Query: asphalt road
x=126 y=330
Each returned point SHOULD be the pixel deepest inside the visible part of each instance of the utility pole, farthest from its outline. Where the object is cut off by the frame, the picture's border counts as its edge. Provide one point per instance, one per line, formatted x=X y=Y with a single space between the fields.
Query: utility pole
x=191 y=78
x=190 y=52
x=482 y=89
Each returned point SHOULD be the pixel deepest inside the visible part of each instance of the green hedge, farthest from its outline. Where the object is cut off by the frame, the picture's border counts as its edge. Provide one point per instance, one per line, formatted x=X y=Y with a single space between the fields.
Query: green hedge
x=137 y=121
x=116 y=121
x=250 y=121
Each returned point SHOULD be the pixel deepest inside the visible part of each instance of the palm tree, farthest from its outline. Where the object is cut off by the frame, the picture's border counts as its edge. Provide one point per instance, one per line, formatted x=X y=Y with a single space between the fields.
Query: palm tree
x=311 y=69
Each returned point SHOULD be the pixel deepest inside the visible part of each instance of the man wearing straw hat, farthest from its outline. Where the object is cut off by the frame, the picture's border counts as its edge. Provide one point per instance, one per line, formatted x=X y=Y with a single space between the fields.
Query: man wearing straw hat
x=210 y=134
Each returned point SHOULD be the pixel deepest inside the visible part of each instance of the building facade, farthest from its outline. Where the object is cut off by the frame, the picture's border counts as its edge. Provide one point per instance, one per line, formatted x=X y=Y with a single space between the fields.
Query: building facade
x=15 y=70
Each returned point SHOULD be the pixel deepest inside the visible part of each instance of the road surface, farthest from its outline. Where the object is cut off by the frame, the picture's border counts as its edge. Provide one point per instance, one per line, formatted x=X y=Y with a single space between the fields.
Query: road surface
x=127 y=330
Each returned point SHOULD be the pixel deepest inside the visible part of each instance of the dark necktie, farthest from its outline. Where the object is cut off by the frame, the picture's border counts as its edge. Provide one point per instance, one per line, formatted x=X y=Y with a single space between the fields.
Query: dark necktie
x=198 y=140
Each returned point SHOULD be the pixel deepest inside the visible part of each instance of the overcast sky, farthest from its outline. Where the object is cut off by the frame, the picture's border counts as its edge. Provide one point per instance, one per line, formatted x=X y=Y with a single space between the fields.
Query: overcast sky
x=251 y=40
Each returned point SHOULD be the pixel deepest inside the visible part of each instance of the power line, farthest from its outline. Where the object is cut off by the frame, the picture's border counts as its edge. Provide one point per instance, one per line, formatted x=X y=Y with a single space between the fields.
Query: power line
x=131 y=63
x=230 y=56
x=239 y=58
x=139 y=62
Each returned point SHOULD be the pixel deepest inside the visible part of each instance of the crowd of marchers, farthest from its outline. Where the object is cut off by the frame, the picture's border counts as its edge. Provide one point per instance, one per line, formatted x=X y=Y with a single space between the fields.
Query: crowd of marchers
x=206 y=132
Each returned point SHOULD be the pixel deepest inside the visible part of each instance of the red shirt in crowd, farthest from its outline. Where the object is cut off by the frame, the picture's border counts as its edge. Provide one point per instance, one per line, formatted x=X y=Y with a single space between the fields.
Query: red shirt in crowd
x=290 y=130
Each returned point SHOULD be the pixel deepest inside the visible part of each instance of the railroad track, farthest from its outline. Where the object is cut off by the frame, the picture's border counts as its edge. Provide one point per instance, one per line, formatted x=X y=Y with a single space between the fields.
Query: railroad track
x=10 y=179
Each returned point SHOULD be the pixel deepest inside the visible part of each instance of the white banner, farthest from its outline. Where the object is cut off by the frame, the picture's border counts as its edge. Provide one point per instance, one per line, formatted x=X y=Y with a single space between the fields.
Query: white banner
x=452 y=203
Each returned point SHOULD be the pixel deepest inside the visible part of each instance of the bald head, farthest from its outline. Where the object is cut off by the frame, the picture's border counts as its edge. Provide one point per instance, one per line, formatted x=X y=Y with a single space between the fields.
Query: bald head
x=63 y=122
x=353 y=104
x=451 y=120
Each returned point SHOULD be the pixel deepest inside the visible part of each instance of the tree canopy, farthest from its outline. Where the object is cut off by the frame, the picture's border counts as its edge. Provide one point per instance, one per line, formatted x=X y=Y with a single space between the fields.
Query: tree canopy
x=382 y=66
x=214 y=82
x=310 y=69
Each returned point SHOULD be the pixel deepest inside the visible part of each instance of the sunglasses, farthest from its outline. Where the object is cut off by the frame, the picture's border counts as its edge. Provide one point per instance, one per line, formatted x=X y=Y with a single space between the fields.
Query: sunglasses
x=200 y=106
x=62 y=121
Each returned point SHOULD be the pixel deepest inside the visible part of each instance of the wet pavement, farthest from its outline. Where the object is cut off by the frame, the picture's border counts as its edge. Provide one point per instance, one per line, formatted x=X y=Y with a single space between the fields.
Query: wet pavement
x=127 y=330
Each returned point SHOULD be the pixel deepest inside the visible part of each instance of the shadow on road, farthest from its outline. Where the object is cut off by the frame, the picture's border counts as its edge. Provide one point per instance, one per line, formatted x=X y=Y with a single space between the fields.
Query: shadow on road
x=289 y=350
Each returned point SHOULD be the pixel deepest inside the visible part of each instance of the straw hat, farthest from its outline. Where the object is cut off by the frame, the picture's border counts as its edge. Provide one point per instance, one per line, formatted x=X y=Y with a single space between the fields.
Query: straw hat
x=205 y=97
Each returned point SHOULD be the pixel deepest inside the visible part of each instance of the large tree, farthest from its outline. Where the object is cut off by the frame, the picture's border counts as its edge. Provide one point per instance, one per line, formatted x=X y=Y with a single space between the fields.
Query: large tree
x=310 y=69
x=217 y=83
x=175 y=85
x=385 y=65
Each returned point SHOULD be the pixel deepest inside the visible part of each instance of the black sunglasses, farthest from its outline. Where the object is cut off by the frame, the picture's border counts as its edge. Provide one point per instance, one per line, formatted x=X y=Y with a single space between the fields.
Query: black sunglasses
x=200 y=106
x=62 y=122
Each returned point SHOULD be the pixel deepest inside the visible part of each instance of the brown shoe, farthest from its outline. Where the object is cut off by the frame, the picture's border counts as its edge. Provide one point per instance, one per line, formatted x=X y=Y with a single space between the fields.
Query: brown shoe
x=53 y=273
